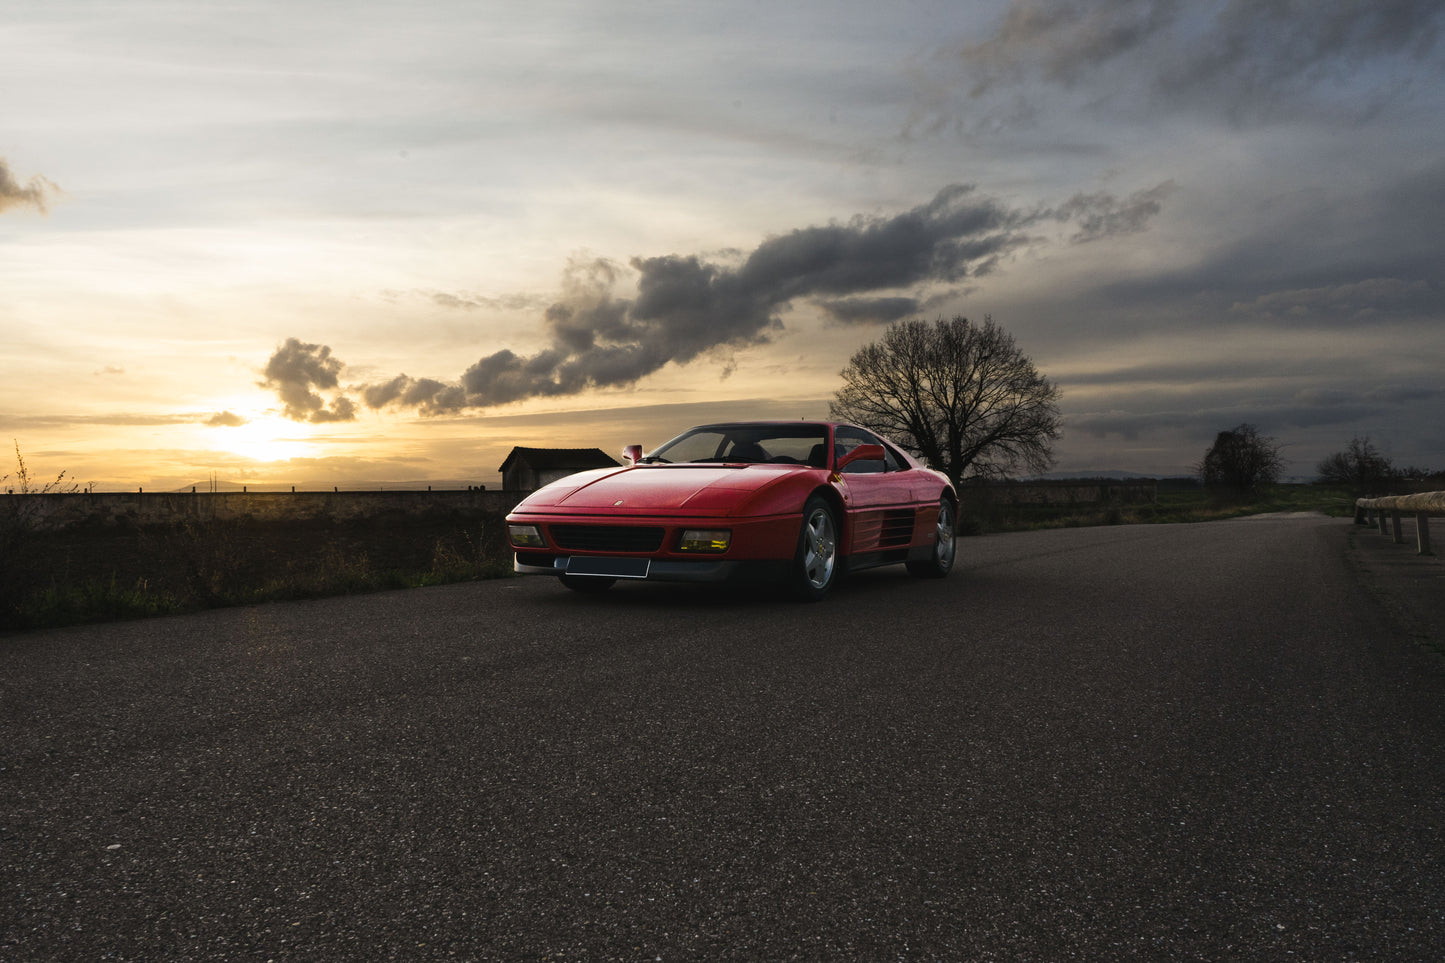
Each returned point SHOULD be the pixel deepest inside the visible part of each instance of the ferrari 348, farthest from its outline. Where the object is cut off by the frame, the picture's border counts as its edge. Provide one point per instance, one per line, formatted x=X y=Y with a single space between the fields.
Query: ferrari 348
x=800 y=502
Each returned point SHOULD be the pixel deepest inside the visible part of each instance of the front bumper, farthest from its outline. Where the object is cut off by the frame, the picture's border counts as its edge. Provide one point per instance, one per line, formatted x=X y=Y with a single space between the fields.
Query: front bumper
x=626 y=567
x=759 y=544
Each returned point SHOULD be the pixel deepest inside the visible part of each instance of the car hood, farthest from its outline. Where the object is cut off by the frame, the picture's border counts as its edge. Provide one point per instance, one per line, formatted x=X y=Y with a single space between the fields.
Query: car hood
x=643 y=489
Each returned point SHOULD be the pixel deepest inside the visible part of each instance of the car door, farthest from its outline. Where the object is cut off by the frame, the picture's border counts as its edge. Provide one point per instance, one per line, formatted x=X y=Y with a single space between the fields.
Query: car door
x=878 y=495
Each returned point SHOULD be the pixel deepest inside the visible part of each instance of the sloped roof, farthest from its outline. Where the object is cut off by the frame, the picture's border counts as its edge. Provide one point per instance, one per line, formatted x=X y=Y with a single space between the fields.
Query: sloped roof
x=541 y=459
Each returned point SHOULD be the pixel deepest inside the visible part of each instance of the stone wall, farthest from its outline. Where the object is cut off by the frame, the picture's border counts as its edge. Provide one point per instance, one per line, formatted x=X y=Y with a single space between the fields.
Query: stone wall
x=56 y=512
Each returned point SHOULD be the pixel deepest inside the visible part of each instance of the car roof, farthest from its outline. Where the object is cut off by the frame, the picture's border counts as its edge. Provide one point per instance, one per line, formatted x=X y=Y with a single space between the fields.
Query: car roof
x=770 y=422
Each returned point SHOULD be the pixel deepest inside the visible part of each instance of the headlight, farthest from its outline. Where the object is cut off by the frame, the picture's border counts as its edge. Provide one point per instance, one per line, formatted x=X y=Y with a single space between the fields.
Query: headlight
x=526 y=536
x=705 y=540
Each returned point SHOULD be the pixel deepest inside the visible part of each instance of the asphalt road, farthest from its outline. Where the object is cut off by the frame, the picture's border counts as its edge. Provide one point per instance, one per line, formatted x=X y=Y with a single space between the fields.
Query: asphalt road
x=1153 y=742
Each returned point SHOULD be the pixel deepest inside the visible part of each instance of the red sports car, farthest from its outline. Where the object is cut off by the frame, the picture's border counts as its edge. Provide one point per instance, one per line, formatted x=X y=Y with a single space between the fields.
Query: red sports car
x=797 y=502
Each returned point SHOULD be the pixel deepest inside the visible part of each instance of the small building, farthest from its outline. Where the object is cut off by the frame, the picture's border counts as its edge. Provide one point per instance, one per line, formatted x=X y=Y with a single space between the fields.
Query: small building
x=527 y=469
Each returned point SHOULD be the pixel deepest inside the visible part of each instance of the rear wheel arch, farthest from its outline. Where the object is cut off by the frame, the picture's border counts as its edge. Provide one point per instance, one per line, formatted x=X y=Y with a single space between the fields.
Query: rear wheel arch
x=944 y=543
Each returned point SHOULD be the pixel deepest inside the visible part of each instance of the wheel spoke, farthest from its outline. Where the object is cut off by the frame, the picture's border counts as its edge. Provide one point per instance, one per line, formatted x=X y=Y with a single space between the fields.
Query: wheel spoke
x=820 y=550
x=944 y=552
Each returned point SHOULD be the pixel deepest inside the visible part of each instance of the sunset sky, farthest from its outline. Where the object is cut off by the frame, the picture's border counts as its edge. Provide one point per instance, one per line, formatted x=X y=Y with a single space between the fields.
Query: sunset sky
x=332 y=243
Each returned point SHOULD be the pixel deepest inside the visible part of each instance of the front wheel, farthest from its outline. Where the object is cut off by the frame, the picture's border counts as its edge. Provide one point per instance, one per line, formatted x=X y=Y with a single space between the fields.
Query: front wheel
x=815 y=564
x=941 y=561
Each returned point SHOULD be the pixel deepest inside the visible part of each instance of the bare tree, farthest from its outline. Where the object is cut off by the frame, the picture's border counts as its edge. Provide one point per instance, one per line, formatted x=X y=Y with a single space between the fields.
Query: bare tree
x=1241 y=462
x=1360 y=466
x=960 y=395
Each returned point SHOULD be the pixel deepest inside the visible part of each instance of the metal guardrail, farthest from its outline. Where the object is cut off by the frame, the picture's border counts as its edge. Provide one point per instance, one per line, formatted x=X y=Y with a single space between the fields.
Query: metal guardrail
x=1389 y=509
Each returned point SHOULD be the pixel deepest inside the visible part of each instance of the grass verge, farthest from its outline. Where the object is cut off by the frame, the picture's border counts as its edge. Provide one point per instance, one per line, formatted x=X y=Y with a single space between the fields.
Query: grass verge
x=1173 y=506
x=98 y=575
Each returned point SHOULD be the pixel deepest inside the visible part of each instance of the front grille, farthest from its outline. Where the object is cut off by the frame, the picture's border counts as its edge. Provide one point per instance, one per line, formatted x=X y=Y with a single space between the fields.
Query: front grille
x=608 y=538
x=897 y=528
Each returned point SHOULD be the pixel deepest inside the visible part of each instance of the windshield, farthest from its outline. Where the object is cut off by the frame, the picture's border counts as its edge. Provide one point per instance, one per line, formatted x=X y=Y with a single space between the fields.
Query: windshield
x=792 y=444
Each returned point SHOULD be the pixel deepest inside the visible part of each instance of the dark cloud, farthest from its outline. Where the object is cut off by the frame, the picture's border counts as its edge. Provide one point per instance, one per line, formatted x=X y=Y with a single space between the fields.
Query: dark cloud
x=1242 y=57
x=868 y=270
x=225 y=419
x=1102 y=215
x=32 y=194
x=428 y=395
x=342 y=409
x=1064 y=40
x=869 y=310
x=686 y=306
x=958 y=233
x=298 y=372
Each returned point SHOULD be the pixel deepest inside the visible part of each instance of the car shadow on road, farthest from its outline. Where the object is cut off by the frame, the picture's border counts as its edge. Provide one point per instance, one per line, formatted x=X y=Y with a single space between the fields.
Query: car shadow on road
x=869 y=585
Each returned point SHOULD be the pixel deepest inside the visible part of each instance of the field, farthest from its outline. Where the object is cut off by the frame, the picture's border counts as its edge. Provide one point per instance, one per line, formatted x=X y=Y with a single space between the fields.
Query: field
x=102 y=573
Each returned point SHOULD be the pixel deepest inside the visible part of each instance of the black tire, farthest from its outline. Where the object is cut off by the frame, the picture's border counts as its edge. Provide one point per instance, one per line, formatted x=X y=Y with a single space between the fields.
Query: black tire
x=816 y=564
x=944 y=547
x=587 y=584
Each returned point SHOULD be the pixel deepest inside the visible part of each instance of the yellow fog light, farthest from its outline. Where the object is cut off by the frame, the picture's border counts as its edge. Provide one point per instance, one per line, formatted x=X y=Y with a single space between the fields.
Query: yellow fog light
x=705 y=540
x=526 y=536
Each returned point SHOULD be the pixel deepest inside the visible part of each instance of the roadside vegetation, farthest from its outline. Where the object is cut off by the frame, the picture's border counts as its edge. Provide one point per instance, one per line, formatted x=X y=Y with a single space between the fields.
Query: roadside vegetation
x=1176 y=504
x=98 y=574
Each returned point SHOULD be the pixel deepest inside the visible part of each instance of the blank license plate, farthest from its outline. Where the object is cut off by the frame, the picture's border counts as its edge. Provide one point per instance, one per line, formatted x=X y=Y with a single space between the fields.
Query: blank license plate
x=608 y=567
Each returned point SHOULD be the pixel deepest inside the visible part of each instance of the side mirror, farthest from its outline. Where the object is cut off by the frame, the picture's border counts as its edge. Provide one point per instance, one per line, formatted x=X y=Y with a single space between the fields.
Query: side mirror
x=861 y=453
x=632 y=454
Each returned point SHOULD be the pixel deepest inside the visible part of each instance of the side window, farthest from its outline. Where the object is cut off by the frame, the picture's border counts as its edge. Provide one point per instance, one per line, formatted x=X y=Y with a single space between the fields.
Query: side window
x=846 y=439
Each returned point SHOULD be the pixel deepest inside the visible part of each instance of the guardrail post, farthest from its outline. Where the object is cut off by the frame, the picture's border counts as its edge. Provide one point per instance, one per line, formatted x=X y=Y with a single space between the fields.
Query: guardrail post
x=1422 y=505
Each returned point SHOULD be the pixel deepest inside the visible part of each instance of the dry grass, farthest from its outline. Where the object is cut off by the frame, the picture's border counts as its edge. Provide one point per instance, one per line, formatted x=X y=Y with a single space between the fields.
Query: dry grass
x=101 y=574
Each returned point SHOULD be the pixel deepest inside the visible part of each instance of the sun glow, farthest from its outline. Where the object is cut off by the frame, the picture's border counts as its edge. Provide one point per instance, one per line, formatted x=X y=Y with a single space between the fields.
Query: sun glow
x=267 y=438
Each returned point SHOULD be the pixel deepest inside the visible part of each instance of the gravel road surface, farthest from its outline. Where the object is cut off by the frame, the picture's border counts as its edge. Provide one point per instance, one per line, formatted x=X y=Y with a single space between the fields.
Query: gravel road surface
x=1199 y=742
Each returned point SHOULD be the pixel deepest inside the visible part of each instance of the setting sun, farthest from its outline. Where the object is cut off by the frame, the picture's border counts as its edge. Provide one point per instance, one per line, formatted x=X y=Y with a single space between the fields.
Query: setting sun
x=268 y=438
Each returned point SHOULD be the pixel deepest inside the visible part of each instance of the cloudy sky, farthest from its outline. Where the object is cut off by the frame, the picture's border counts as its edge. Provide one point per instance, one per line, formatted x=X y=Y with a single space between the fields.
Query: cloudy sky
x=324 y=242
